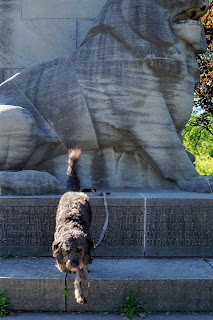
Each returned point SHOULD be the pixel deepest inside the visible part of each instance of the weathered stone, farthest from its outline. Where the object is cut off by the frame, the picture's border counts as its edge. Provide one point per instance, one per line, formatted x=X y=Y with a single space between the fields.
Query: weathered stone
x=28 y=223
x=61 y=9
x=21 y=183
x=181 y=285
x=8 y=73
x=156 y=295
x=18 y=137
x=35 y=294
x=179 y=227
x=139 y=225
x=26 y=42
x=10 y=9
x=122 y=98
x=83 y=25
x=125 y=232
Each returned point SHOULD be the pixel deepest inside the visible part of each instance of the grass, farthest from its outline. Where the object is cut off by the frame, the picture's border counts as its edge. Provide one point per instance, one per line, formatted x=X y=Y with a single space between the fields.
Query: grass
x=18 y=254
x=4 y=304
x=9 y=255
x=132 y=308
x=36 y=253
x=66 y=292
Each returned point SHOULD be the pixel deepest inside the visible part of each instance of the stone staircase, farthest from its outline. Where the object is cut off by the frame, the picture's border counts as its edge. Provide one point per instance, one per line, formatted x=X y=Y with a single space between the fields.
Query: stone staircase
x=155 y=242
x=163 y=284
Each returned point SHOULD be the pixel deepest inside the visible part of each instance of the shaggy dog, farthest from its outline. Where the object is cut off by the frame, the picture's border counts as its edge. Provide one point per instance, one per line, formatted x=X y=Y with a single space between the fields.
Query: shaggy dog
x=72 y=241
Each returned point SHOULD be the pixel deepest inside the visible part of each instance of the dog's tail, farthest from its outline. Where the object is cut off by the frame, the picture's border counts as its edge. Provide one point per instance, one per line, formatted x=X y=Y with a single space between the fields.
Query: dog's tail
x=73 y=183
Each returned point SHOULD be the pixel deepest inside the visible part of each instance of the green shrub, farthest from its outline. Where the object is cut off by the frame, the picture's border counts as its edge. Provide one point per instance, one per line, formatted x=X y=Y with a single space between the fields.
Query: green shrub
x=198 y=139
x=131 y=307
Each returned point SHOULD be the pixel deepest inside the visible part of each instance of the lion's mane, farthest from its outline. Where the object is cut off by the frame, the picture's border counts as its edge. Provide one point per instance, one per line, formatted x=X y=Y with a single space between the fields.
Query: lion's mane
x=149 y=36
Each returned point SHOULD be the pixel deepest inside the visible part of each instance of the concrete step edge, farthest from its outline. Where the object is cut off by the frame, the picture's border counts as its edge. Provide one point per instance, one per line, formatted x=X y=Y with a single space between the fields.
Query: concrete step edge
x=108 y=316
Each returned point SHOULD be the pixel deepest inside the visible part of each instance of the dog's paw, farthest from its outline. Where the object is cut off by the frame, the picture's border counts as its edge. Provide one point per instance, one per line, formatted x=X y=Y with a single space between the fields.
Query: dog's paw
x=81 y=300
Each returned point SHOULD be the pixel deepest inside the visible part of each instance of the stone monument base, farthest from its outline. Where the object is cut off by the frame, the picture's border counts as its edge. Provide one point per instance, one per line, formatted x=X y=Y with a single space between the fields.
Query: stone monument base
x=151 y=224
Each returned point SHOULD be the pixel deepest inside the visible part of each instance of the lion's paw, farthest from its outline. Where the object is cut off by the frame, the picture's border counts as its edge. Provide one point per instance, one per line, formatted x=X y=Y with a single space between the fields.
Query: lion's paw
x=202 y=184
x=29 y=182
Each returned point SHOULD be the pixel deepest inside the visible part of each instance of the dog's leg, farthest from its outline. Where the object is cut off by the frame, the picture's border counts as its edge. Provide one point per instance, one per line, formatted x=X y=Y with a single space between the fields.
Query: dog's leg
x=81 y=285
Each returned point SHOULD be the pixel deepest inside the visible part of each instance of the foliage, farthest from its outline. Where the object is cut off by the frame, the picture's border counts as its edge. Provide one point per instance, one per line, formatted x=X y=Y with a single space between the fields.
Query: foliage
x=18 y=254
x=36 y=253
x=66 y=292
x=198 y=139
x=10 y=256
x=204 y=90
x=7 y=256
x=4 y=304
x=207 y=261
x=131 y=307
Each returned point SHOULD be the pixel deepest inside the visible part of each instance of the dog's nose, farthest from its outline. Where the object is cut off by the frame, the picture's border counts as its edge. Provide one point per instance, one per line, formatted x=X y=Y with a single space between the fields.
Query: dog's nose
x=74 y=263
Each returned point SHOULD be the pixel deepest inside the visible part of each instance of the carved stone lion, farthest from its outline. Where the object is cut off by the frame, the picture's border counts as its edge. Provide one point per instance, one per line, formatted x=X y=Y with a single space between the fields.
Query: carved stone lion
x=123 y=98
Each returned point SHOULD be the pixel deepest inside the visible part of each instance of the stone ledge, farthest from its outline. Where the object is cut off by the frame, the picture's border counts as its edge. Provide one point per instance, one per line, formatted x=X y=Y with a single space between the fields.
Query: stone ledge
x=166 y=284
x=110 y=316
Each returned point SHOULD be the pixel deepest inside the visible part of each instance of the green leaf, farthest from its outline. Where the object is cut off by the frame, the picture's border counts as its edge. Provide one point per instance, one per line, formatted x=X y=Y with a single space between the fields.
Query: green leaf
x=66 y=292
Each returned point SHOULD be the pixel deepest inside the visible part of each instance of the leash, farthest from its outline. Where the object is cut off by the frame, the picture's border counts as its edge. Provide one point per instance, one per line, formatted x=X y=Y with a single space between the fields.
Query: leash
x=106 y=222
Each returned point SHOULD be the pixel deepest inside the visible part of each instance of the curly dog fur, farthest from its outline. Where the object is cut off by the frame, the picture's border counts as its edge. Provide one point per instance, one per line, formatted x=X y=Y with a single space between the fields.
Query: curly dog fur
x=72 y=242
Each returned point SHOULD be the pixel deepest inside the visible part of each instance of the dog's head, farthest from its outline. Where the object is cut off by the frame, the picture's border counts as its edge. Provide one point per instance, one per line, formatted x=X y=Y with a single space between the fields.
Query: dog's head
x=72 y=252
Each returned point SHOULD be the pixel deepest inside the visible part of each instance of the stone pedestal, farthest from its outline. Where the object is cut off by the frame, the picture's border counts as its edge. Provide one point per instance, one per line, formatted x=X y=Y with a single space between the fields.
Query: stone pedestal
x=158 y=224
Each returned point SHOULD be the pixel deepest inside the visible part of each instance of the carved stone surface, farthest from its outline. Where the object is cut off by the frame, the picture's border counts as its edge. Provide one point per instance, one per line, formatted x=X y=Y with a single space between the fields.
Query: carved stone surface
x=125 y=231
x=21 y=183
x=28 y=224
x=139 y=225
x=179 y=227
x=122 y=98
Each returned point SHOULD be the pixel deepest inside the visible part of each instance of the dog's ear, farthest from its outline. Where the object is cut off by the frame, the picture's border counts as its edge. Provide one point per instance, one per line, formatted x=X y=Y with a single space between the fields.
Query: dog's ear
x=57 y=250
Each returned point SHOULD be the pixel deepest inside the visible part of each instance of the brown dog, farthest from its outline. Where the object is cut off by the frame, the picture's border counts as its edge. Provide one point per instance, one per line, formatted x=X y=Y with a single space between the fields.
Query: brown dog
x=72 y=242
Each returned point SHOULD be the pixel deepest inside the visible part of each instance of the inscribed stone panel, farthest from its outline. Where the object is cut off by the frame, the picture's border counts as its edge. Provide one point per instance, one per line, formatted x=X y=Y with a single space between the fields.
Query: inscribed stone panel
x=28 y=223
x=125 y=232
x=26 y=227
x=179 y=227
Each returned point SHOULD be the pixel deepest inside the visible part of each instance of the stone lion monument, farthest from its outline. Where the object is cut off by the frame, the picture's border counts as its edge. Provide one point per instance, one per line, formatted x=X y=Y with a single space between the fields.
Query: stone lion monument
x=123 y=98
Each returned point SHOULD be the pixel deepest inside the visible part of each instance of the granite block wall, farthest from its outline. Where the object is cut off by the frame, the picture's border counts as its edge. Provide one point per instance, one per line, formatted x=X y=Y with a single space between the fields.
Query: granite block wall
x=32 y=31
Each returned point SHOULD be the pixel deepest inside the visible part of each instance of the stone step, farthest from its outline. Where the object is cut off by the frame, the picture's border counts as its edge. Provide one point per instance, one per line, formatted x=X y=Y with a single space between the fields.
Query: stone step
x=151 y=224
x=163 y=284
x=108 y=316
